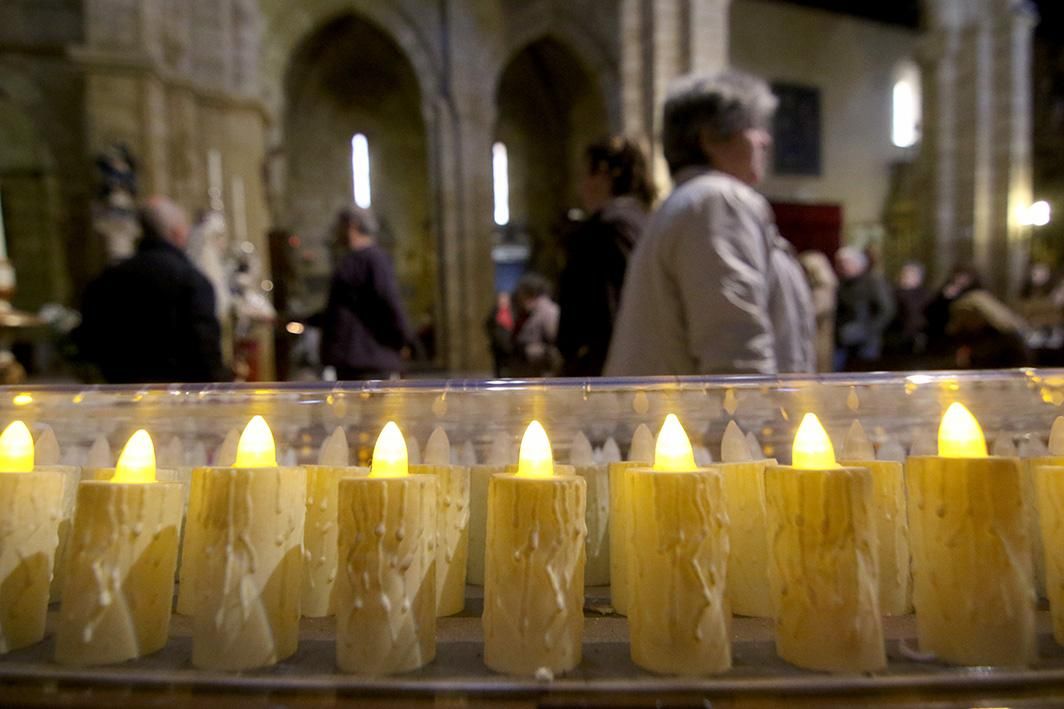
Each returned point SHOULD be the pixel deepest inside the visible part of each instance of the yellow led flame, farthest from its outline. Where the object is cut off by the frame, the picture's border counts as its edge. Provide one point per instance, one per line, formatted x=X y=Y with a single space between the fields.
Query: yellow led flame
x=960 y=435
x=673 y=453
x=23 y=399
x=136 y=464
x=812 y=447
x=390 y=459
x=16 y=449
x=536 y=460
x=256 y=448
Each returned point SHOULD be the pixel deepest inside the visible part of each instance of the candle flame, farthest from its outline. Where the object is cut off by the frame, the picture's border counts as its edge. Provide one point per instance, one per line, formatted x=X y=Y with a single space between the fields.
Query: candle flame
x=536 y=460
x=673 y=453
x=136 y=464
x=16 y=449
x=959 y=434
x=256 y=448
x=812 y=448
x=390 y=458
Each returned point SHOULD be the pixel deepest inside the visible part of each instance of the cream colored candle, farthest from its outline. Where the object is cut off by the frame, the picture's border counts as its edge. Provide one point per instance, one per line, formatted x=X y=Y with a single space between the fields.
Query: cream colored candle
x=248 y=558
x=48 y=457
x=640 y=454
x=30 y=511
x=678 y=550
x=452 y=520
x=320 y=528
x=500 y=457
x=597 y=563
x=973 y=582
x=225 y=453
x=386 y=589
x=744 y=486
x=611 y=452
x=1050 y=489
x=891 y=520
x=822 y=559
x=46 y=448
x=1054 y=455
x=534 y=584
x=120 y=572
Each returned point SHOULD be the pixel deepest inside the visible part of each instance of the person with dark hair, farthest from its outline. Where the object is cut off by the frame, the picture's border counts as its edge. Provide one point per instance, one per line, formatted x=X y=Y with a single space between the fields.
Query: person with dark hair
x=151 y=317
x=616 y=192
x=864 y=307
x=535 y=353
x=712 y=287
x=365 y=334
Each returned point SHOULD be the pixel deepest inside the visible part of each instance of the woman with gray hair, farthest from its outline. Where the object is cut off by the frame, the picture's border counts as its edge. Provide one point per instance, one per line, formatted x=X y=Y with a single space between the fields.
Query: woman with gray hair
x=712 y=287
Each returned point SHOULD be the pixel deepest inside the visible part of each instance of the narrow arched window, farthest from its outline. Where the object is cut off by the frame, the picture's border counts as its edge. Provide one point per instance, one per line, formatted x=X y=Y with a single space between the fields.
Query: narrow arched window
x=905 y=107
x=500 y=175
x=360 y=170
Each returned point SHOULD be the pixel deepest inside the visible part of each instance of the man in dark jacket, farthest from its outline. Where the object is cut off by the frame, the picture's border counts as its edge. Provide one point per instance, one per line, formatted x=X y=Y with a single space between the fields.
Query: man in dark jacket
x=151 y=317
x=365 y=334
x=864 y=308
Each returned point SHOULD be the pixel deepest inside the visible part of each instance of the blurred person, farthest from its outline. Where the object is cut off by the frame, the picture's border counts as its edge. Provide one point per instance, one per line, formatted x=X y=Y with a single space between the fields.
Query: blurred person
x=823 y=284
x=535 y=353
x=985 y=334
x=864 y=308
x=500 y=329
x=907 y=333
x=616 y=191
x=151 y=318
x=1040 y=302
x=961 y=280
x=365 y=334
x=712 y=286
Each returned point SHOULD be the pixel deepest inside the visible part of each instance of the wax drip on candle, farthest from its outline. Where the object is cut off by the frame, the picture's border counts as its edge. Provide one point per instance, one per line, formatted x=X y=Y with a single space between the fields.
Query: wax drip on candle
x=438 y=448
x=501 y=452
x=390 y=457
x=16 y=449
x=256 y=448
x=334 y=450
x=891 y=449
x=1031 y=446
x=46 y=449
x=413 y=450
x=642 y=448
x=467 y=455
x=100 y=455
x=1003 y=446
x=959 y=434
x=672 y=452
x=812 y=448
x=611 y=452
x=733 y=446
x=580 y=451
x=857 y=446
x=1056 y=437
x=535 y=459
x=136 y=463
x=225 y=454
x=754 y=445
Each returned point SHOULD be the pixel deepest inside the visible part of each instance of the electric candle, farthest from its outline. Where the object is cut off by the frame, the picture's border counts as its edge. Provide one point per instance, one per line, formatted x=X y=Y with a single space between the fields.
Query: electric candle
x=597 y=561
x=640 y=454
x=452 y=521
x=47 y=458
x=386 y=588
x=120 y=571
x=678 y=550
x=972 y=577
x=822 y=559
x=1050 y=490
x=500 y=458
x=1033 y=500
x=891 y=520
x=534 y=583
x=744 y=486
x=30 y=510
x=320 y=529
x=248 y=558
x=99 y=455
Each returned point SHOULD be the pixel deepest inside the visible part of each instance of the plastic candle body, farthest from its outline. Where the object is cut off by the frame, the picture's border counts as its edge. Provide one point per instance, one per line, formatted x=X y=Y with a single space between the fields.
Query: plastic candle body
x=247 y=561
x=973 y=585
x=499 y=460
x=119 y=586
x=1032 y=499
x=386 y=585
x=30 y=510
x=1050 y=490
x=640 y=455
x=678 y=550
x=534 y=582
x=891 y=521
x=822 y=559
x=744 y=494
x=597 y=564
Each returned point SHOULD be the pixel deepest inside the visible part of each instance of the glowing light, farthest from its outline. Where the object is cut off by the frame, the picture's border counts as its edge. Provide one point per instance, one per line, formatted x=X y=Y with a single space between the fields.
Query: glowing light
x=672 y=453
x=22 y=399
x=500 y=175
x=1038 y=214
x=136 y=464
x=535 y=460
x=16 y=449
x=812 y=448
x=360 y=169
x=960 y=435
x=294 y=328
x=905 y=115
x=256 y=448
x=389 y=454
